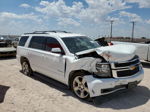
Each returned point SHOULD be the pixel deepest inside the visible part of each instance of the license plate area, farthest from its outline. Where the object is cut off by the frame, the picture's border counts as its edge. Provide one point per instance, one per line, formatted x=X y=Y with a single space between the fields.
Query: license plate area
x=132 y=84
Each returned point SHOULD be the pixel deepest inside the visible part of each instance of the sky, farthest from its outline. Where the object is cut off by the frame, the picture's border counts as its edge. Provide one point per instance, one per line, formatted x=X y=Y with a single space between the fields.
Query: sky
x=89 y=17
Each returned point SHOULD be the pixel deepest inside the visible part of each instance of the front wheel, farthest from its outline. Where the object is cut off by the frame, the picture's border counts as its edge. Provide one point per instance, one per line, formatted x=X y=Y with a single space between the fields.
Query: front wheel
x=79 y=86
x=26 y=69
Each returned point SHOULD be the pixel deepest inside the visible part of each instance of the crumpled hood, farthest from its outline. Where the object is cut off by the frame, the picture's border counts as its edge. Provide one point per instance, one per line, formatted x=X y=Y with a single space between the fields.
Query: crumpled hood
x=117 y=52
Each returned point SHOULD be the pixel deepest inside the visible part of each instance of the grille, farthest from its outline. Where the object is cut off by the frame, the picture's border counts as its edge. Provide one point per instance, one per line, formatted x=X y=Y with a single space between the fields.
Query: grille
x=136 y=61
x=124 y=69
x=126 y=73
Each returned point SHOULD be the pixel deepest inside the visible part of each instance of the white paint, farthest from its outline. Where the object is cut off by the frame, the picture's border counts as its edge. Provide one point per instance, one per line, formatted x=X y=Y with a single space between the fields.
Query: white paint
x=117 y=52
x=53 y=65
x=95 y=85
x=142 y=50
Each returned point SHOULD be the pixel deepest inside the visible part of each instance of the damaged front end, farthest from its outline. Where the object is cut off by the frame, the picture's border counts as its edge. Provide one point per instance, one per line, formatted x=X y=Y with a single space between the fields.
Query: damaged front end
x=109 y=69
x=94 y=64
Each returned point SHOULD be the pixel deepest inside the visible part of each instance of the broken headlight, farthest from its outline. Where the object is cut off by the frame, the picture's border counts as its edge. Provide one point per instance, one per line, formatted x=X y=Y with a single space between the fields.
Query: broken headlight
x=103 y=69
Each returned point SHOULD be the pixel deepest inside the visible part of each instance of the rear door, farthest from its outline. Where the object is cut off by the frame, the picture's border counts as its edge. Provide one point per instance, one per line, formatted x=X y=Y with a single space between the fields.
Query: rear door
x=36 y=53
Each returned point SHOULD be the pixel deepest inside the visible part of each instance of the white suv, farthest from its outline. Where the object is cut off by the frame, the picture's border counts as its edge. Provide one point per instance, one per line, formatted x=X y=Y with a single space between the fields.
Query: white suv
x=77 y=61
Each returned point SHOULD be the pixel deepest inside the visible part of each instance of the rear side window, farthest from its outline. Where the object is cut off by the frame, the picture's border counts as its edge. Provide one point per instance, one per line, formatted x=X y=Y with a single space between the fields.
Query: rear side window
x=52 y=43
x=23 y=40
x=37 y=42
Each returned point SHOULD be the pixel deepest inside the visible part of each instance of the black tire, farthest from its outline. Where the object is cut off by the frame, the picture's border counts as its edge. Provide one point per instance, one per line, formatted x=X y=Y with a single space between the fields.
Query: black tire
x=26 y=69
x=80 y=89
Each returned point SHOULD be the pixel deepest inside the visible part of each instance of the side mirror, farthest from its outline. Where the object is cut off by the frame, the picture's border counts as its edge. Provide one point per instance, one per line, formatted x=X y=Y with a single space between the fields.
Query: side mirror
x=56 y=50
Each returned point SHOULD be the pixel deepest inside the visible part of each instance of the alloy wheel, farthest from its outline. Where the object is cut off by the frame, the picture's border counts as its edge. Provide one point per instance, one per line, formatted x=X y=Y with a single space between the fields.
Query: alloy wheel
x=25 y=68
x=80 y=87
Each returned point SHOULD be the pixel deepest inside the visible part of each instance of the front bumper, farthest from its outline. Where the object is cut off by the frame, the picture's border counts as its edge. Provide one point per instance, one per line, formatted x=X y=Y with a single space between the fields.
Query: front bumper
x=7 y=51
x=5 y=54
x=104 y=86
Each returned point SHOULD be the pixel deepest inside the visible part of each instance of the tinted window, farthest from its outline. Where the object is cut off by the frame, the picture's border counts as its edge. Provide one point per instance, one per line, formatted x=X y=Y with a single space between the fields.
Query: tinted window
x=38 y=42
x=23 y=40
x=52 y=43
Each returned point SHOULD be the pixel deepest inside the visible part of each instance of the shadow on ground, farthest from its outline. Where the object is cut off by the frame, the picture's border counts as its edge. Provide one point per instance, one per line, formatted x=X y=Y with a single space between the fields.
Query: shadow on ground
x=52 y=83
x=3 y=90
x=124 y=99
x=146 y=64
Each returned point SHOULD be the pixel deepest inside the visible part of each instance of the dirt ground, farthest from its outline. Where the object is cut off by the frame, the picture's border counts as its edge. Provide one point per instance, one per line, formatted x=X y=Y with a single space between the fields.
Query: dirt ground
x=20 y=93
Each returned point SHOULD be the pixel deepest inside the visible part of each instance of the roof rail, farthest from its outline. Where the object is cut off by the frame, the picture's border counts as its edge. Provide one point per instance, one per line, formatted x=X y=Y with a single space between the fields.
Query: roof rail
x=37 y=32
x=57 y=31
x=46 y=32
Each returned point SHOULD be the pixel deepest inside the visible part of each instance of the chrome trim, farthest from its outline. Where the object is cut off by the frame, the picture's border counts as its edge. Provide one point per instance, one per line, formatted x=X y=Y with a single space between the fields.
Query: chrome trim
x=115 y=69
x=102 y=63
x=126 y=67
x=140 y=68
x=114 y=73
x=128 y=61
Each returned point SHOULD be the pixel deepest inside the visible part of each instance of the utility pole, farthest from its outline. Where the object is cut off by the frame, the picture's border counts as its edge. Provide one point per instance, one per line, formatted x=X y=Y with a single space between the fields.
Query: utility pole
x=111 y=23
x=132 y=35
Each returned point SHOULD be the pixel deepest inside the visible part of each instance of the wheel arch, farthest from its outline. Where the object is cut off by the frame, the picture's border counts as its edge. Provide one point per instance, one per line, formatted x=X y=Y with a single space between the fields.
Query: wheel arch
x=72 y=73
x=22 y=58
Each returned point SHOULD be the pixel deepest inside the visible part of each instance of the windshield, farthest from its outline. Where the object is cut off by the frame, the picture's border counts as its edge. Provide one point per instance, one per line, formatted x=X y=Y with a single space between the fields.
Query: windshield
x=77 y=44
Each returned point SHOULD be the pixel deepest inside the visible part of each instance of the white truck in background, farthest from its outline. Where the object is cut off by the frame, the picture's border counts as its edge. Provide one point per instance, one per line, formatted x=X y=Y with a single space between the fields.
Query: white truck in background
x=142 y=49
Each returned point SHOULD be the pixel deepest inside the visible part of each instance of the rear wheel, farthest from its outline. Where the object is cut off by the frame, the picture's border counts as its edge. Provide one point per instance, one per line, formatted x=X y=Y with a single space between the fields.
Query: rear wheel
x=26 y=69
x=79 y=86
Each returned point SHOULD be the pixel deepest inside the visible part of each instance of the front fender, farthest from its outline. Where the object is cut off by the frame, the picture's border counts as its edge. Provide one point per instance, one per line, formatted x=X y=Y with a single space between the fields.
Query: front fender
x=86 y=64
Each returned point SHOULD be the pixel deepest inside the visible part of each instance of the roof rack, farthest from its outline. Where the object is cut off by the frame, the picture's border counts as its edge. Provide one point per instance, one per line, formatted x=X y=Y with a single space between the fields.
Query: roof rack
x=55 y=31
x=58 y=31
x=36 y=33
x=46 y=32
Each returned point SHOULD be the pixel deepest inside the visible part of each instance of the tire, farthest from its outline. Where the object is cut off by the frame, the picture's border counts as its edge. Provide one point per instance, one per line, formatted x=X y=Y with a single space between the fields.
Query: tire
x=79 y=86
x=26 y=69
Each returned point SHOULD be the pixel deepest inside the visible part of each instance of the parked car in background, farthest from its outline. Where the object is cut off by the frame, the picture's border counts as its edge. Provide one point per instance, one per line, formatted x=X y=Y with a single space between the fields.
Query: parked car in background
x=142 y=49
x=6 y=48
x=87 y=68
x=5 y=42
x=7 y=51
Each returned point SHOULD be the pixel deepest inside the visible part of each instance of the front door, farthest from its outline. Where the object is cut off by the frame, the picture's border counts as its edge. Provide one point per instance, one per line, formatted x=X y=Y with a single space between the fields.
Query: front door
x=54 y=62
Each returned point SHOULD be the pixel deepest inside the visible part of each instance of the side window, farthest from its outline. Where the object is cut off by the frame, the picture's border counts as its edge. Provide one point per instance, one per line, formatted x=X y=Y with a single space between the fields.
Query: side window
x=37 y=42
x=23 y=40
x=52 y=43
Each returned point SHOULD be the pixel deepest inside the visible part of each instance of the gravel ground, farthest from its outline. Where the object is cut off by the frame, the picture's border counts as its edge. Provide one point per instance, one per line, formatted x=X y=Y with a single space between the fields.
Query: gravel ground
x=20 y=93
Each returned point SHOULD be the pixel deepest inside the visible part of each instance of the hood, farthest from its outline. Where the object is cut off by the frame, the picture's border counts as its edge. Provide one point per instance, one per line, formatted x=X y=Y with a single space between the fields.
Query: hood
x=117 y=52
x=113 y=53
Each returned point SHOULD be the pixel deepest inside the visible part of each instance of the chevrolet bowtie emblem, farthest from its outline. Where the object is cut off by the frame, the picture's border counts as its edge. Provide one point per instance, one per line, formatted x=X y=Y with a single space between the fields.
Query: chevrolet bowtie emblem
x=132 y=67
